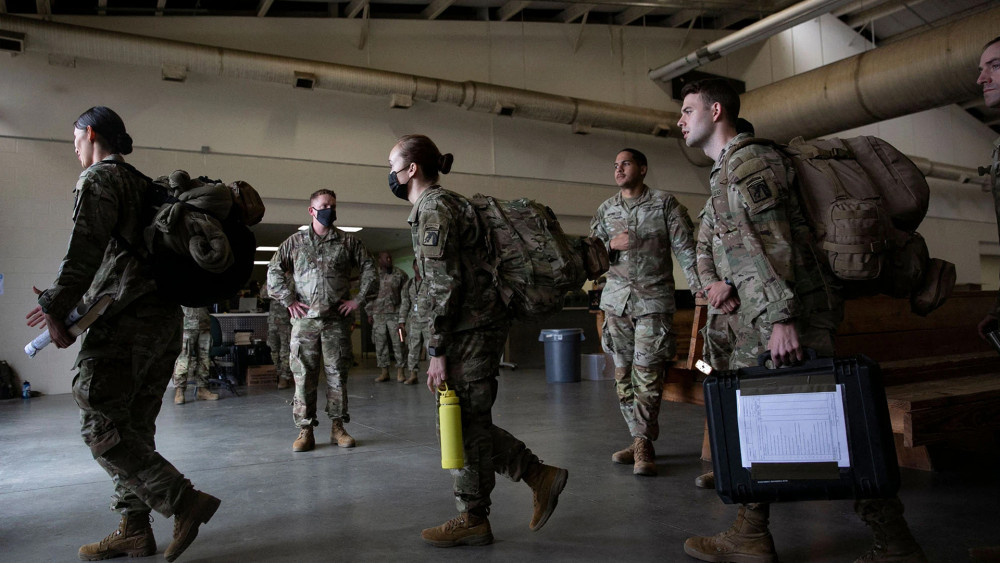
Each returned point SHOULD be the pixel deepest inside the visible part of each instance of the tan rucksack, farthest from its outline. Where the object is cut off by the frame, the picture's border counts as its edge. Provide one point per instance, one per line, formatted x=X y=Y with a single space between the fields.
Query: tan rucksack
x=864 y=200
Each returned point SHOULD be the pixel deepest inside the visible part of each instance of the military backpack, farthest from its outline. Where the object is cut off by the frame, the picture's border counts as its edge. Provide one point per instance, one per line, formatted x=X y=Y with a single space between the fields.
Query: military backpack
x=533 y=262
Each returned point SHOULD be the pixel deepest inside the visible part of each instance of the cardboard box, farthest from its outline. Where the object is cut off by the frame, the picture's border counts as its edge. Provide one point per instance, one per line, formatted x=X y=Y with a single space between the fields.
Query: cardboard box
x=261 y=375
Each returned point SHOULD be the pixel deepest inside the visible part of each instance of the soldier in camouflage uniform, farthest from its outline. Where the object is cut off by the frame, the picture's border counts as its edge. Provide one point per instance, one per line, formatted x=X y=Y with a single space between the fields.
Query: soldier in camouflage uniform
x=279 y=336
x=641 y=226
x=383 y=314
x=319 y=261
x=789 y=301
x=989 y=79
x=413 y=320
x=195 y=346
x=127 y=356
x=468 y=326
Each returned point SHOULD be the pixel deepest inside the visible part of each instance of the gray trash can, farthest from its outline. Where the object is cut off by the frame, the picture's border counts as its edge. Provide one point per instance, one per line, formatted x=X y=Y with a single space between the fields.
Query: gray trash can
x=562 y=354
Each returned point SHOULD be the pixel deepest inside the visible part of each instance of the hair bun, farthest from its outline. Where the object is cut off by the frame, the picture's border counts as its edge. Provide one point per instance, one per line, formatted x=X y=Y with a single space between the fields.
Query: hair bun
x=445 y=162
x=124 y=143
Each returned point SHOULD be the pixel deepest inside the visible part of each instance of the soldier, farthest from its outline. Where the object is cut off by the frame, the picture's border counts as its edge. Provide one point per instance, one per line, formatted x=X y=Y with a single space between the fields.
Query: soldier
x=989 y=79
x=279 y=334
x=641 y=225
x=126 y=358
x=383 y=314
x=788 y=300
x=468 y=326
x=195 y=346
x=319 y=261
x=413 y=321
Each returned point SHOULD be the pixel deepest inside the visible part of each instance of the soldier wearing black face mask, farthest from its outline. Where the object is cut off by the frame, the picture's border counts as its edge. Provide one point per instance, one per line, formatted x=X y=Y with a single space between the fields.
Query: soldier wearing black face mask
x=319 y=261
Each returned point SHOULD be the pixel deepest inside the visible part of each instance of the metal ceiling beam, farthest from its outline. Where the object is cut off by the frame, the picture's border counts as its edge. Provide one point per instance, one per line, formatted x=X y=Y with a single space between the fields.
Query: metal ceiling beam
x=511 y=9
x=160 y=6
x=263 y=7
x=43 y=7
x=355 y=7
x=435 y=9
x=575 y=11
x=879 y=12
x=857 y=6
x=102 y=7
x=682 y=17
x=632 y=14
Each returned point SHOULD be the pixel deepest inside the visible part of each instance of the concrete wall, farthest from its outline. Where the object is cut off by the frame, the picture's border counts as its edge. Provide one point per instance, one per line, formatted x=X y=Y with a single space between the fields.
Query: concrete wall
x=288 y=142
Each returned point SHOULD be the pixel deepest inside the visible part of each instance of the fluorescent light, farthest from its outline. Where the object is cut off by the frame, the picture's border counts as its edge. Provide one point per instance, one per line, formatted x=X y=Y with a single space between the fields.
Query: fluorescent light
x=260 y=262
x=350 y=229
x=267 y=248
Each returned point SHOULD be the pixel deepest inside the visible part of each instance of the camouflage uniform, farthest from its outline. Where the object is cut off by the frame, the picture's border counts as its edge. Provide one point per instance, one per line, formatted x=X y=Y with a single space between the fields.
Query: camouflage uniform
x=320 y=267
x=195 y=346
x=467 y=320
x=765 y=237
x=413 y=313
x=385 y=312
x=279 y=334
x=126 y=357
x=995 y=188
x=638 y=299
x=720 y=328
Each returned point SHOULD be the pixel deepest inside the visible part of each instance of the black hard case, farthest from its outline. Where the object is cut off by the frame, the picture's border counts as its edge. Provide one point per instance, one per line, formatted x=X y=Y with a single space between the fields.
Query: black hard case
x=874 y=471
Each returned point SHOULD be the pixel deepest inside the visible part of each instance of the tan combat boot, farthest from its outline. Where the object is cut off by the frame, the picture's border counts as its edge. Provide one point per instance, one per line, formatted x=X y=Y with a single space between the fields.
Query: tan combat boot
x=204 y=394
x=546 y=483
x=747 y=541
x=134 y=537
x=464 y=529
x=196 y=508
x=644 y=457
x=305 y=442
x=626 y=456
x=400 y=376
x=384 y=376
x=283 y=383
x=893 y=540
x=412 y=380
x=179 y=396
x=340 y=436
x=705 y=480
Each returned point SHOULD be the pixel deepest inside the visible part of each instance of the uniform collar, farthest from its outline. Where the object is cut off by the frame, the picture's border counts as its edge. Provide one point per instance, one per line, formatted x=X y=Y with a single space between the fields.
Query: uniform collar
x=316 y=238
x=722 y=156
x=643 y=197
x=416 y=205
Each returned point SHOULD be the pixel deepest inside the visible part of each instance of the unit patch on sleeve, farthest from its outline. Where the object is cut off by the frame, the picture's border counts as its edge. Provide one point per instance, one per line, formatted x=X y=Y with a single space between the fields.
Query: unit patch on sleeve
x=758 y=190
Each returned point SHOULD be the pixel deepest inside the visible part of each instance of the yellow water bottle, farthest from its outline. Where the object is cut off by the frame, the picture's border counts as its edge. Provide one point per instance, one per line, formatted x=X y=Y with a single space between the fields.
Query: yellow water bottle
x=450 y=424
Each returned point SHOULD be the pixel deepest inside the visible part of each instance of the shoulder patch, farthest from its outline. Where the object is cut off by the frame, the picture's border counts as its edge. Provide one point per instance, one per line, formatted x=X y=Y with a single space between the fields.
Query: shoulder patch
x=432 y=240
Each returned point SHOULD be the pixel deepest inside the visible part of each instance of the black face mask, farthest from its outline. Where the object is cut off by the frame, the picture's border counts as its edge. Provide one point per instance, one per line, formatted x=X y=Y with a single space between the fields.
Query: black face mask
x=398 y=190
x=327 y=216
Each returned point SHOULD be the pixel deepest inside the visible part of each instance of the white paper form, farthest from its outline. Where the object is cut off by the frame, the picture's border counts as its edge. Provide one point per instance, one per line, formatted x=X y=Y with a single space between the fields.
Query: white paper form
x=793 y=428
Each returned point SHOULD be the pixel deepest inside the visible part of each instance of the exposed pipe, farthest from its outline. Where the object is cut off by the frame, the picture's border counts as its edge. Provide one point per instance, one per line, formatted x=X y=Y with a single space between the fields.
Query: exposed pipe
x=753 y=33
x=936 y=68
x=125 y=48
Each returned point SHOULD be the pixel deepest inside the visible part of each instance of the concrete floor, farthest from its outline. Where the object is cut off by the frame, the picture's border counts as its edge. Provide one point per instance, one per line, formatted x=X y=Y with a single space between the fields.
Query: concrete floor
x=370 y=503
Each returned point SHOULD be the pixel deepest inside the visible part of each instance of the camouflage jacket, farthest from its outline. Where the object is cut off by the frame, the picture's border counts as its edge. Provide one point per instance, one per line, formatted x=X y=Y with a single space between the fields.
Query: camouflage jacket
x=320 y=268
x=196 y=318
x=712 y=264
x=109 y=200
x=390 y=286
x=449 y=248
x=413 y=306
x=765 y=235
x=641 y=279
x=276 y=312
x=995 y=188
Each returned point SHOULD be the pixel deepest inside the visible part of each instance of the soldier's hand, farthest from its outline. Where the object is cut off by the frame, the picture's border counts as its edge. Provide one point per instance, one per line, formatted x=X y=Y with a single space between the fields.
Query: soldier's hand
x=59 y=333
x=619 y=242
x=988 y=324
x=371 y=320
x=348 y=307
x=784 y=345
x=718 y=292
x=436 y=372
x=730 y=305
x=298 y=310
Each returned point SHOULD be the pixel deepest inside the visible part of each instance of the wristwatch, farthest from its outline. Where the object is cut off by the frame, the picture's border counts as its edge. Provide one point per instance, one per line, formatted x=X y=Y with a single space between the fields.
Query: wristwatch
x=435 y=351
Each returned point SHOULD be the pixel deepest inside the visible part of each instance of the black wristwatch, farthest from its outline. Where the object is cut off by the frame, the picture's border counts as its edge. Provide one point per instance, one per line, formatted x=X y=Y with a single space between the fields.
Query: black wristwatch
x=435 y=351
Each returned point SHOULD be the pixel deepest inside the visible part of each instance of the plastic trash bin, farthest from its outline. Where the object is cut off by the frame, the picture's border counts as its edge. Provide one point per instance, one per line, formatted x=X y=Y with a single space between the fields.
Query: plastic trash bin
x=562 y=354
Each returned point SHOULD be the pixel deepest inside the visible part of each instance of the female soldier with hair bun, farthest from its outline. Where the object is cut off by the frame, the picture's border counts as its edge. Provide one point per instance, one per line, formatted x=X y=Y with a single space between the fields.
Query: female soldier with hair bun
x=127 y=356
x=468 y=326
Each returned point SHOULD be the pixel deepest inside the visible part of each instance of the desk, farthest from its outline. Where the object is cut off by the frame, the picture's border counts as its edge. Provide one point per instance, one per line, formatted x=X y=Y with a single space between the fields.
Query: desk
x=231 y=322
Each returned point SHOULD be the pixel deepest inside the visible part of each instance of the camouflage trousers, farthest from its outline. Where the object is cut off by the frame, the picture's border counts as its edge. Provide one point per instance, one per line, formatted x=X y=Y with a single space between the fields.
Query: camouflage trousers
x=320 y=344
x=193 y=358
x=124 y=365
x=279 y=334
x=473 y=366
x=642 y=348
x=720 y=335
x=385 y=335
x=417 y=336
x=815 y=330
